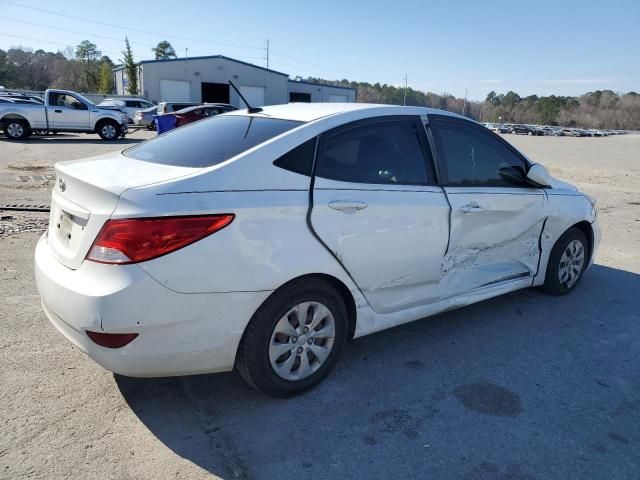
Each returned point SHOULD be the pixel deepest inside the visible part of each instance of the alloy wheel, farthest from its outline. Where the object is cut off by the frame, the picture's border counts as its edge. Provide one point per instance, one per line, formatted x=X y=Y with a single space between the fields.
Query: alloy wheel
x=15 y=130
x=109 y=131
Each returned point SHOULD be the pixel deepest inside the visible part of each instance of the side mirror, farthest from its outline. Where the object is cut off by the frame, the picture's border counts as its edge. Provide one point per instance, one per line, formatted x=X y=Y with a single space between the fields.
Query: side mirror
x=539 y=175
x=513 y=174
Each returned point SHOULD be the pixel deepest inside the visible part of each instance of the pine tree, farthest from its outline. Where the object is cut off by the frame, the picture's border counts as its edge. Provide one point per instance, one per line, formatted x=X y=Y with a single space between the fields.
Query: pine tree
x=130 y=68
x=105 y=82
x=164 y=50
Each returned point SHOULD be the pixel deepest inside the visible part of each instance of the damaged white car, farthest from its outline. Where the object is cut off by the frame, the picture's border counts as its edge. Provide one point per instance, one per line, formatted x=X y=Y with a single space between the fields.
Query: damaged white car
x=264 y=239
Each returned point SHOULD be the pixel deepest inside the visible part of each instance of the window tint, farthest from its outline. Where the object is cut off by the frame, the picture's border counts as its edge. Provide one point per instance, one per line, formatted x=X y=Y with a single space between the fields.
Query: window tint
x=300 y=159
x=211 y=141
x=471 y=156
x=385 y=152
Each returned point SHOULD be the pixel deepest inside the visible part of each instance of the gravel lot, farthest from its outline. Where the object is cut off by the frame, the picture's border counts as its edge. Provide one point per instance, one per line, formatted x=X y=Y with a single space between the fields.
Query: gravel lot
x=524 y=386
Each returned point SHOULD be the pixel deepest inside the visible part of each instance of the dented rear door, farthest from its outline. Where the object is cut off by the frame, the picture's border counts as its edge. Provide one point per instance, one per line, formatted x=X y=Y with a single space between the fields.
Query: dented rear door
x=375 y=210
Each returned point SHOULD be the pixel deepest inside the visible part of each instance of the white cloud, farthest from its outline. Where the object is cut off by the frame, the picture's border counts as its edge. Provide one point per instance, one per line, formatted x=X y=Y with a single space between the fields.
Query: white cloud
x=493 y=82
x=580 y=81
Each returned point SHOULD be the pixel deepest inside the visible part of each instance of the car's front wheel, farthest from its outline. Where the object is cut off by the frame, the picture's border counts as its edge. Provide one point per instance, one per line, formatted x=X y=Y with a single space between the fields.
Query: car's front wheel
x=567 y=262
x=294 y=339
x=108 y=130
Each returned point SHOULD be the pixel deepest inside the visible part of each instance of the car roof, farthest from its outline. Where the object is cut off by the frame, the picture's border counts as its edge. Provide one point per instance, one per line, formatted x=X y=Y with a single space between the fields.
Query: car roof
x=308 y=112
x=206 y=105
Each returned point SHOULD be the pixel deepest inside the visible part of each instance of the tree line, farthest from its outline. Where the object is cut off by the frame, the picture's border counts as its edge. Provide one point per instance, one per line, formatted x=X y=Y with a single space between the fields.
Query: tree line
x=82 y=68
x=85 y=69
x=598 y=109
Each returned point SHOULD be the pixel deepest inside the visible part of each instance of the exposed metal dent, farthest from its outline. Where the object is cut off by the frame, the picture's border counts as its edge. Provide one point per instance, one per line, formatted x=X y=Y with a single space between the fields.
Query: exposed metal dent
x=507 y=278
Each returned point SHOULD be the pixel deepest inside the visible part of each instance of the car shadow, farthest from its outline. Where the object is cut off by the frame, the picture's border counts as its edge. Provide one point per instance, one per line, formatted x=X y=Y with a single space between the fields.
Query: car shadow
x=521 y=386
x=73 y=138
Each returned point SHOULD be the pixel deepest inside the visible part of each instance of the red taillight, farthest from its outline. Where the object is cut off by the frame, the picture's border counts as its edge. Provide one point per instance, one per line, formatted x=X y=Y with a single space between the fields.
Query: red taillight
x=134 y=240
x=112 y=340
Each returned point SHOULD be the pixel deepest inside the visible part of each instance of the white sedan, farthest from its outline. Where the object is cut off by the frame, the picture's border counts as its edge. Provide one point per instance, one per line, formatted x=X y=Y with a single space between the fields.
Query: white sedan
x=264 y=240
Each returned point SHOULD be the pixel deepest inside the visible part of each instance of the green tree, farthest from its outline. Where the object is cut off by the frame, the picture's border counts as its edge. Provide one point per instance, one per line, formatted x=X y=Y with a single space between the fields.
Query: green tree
x=130 y=68
x=87 y=51
x=164 y=50
x=105 y=82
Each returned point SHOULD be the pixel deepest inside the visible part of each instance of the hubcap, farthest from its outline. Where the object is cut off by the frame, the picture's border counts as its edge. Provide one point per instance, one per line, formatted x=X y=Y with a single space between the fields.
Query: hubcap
x=15 y=130
x=302 y=341
x=571 y=263
x=109 y=131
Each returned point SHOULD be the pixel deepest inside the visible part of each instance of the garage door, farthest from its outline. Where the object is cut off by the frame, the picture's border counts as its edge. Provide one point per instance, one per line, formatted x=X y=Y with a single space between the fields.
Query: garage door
x=254 y=95
x=338 y=98
x=175 y=91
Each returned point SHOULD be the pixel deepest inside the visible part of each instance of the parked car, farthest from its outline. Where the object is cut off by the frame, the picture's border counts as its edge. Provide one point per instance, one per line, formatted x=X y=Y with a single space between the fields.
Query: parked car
x=550 y=131
x=129 y=105
x=264 y=240
x=169 y=107
x=146 y=117
x=500 y=128
x=193 y=114
x=525 y=130
x=62 y=111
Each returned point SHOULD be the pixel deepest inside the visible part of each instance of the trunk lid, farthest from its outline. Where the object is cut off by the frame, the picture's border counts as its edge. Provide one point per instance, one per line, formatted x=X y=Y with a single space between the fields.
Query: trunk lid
x=86 y=194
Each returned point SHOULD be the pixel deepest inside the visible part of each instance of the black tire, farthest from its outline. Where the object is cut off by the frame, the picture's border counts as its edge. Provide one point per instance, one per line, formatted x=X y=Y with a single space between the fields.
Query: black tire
x=253 y=361
x=108 y=130
x=16 y=129
x=552 y=284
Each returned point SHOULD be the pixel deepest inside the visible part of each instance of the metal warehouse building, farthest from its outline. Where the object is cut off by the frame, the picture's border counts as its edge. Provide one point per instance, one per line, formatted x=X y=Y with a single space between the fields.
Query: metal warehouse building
x=206 y=79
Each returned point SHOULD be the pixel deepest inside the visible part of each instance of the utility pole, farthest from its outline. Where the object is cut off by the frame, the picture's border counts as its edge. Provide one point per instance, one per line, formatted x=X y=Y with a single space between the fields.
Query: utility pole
x=464 y=105
x=267 y=50
x=404 y=101
x=186 y=53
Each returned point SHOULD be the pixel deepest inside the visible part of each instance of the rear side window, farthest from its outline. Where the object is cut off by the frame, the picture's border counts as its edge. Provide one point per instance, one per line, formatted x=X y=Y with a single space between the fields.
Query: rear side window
x=300 y=159
x=385 y=152
x=470 y=156
x=211 y=141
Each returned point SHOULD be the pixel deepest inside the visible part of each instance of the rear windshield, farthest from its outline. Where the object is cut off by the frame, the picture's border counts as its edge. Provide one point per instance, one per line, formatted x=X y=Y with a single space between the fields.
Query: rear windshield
x=209 y=142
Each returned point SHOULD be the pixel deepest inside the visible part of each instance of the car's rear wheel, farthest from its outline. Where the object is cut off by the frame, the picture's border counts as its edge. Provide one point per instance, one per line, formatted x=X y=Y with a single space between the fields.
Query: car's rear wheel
x=294 y=339
x=17 y=129
x=567 y=262
x=108 y=130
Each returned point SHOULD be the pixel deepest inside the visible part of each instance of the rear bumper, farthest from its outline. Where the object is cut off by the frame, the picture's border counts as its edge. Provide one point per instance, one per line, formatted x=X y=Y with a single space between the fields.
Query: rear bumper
x=179 y=334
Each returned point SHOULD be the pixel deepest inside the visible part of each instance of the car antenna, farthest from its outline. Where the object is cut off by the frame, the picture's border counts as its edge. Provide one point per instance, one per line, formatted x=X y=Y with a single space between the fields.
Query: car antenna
x=250 y=109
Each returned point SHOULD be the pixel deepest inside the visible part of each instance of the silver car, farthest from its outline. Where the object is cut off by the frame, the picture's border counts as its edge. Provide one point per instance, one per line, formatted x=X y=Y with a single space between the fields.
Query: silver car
x=146 y=117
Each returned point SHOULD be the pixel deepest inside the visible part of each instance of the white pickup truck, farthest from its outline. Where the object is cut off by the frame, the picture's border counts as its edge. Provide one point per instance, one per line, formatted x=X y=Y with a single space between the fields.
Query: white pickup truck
x=63 y=111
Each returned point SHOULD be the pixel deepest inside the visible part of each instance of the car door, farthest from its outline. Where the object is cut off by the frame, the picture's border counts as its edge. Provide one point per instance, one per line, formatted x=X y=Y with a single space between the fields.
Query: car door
x=496 y=217
x=377 y=208
x=68 y=112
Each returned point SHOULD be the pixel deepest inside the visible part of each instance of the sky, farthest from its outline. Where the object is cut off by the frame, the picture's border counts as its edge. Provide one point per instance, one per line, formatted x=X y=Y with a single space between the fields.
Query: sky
x=531 y=47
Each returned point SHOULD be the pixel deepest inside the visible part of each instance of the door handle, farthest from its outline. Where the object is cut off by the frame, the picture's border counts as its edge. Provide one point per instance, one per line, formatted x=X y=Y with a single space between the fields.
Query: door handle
x=470 y=207
x=347 y=205
x=58 y=111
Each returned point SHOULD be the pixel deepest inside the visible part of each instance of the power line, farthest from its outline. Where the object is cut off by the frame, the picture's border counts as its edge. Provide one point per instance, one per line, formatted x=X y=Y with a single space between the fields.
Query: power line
x=87 y=34
x=47 y=41
x=146 y=32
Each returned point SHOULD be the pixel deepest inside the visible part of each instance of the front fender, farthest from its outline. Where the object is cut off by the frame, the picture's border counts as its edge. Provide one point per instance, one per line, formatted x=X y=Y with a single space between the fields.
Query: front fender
x=565 y=209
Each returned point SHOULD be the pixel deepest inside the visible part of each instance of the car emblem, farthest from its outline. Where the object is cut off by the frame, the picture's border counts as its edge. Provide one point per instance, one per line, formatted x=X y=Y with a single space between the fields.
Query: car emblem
x=62 y=185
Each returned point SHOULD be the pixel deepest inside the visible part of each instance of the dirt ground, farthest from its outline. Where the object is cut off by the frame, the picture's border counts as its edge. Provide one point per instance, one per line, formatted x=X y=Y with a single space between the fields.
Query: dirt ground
x=520 y=387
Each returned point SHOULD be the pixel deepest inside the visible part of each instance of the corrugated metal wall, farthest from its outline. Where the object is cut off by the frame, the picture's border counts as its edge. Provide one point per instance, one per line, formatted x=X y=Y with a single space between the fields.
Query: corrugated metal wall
x=214 y=70
x=321 y=93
